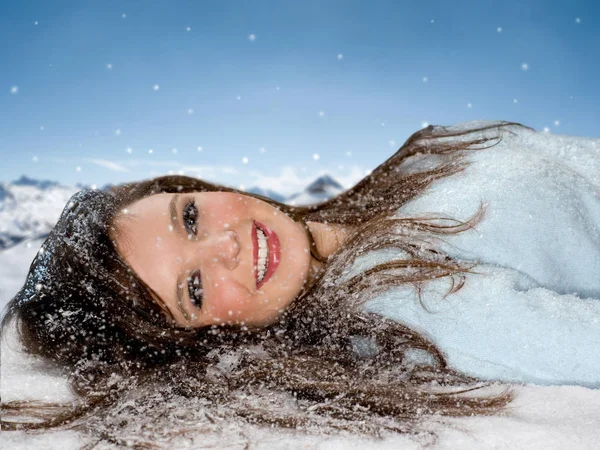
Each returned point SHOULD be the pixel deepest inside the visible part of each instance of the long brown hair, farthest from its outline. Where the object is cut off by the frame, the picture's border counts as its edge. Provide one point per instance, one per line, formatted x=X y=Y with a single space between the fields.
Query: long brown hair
x=110 y=335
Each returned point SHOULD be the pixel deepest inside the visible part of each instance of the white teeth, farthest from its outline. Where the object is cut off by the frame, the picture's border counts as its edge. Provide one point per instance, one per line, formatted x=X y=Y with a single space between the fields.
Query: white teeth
x=262 y=254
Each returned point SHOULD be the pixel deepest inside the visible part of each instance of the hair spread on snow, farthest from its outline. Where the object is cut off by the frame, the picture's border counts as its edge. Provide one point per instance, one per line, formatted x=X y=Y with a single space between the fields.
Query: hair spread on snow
x=83 y=308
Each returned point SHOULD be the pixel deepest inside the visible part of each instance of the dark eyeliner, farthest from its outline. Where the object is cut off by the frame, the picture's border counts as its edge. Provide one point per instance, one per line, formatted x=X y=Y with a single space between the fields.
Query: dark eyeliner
x=190 y=222
x=195 y=289
x=190 y=216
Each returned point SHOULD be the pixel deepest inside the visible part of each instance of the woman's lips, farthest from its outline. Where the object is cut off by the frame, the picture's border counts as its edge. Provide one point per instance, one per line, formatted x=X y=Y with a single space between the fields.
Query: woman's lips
x=274 y=253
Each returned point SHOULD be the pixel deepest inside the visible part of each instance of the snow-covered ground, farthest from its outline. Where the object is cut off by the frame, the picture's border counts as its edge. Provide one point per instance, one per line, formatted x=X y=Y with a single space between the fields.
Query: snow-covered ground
x=558 y=417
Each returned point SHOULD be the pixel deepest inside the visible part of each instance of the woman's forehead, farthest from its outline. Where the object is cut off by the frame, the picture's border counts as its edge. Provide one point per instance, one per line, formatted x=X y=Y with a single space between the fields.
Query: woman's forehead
x=147 y=205
x=147 y=244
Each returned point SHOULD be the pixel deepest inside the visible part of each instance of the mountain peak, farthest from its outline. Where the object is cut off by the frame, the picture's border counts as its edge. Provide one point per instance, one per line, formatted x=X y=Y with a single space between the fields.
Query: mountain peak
x=323 y=184
x=41 y=184
x=267 y=193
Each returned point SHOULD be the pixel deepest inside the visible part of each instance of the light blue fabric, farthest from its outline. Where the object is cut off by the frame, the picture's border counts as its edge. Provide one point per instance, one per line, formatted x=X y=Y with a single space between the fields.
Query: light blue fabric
x=532 y=312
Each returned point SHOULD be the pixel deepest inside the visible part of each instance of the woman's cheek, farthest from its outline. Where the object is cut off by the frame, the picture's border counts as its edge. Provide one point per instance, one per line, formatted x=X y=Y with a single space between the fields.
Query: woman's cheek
x=231 y=303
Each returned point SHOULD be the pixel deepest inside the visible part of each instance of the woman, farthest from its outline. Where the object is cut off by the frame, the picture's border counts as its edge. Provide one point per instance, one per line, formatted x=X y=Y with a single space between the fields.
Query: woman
x=364 y=310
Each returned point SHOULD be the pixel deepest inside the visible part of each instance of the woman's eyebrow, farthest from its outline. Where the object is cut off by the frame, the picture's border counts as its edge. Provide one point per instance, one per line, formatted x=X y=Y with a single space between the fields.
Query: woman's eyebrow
x=173 y=212
x=179 y=297
x=179 y=282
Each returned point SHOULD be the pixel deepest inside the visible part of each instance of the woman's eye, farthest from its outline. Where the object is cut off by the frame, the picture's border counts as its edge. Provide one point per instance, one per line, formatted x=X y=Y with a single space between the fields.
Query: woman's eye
x=195 y=289
x=190 y=217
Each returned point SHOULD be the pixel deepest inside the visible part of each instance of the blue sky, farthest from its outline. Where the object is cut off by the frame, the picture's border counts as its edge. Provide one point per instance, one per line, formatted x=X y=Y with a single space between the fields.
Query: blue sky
x=277 y=92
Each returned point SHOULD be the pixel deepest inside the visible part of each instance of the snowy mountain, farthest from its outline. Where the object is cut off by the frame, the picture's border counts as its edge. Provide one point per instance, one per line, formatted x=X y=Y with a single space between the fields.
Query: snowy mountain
x=40 y=184
x=267 y=193
x=320 y=190
x=5 y=196
x=29 y=208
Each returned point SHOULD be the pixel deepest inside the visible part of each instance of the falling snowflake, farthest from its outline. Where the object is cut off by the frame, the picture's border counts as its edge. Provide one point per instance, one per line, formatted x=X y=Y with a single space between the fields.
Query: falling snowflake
x=78 y=168
x=150 y=151
x=252 y=37
x=424 y=124
x=340 y=56
x=321 y=113
x=174 y=151
x=109 y=66
x=425 y=79
x=188 y=28
x=129 y=150
x=557 y=123
x=245 y=160
x=577 y=19
x=525 y=67
x=499 y=29
x=316 y=156
x=515 y=100
x=42 y=128
x=238 y=97
x=190 y=111
x=118 y=132
x=277 y=88
x=124 y=16
x=156 y=87
x=348 y=153
x=432 y=21
x=383 y=124
x=392 y=143
x=546 y=129
x=35 y=159
x=262 y=150
x=36 y=23
x=14 y=90
x=199 y=149
x=469 y=105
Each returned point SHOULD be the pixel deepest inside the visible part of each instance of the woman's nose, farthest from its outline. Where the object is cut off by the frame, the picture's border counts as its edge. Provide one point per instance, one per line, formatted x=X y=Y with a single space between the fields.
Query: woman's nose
x=223 y=247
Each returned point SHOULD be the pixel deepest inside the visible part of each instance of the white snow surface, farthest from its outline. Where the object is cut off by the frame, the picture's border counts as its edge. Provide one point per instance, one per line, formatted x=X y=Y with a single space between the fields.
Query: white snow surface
x=541 y=417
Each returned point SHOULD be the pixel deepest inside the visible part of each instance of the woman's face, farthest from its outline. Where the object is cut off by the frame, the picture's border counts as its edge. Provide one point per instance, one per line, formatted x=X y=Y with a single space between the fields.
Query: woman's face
x=201 y=253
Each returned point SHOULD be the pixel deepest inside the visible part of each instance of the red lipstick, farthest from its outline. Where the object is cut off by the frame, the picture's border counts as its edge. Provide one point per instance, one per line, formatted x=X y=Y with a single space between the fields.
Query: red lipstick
x=274 y=252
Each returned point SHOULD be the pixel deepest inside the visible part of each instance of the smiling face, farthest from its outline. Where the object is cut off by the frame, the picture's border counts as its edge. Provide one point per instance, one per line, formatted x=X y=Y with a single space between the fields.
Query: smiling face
x=201 y=253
